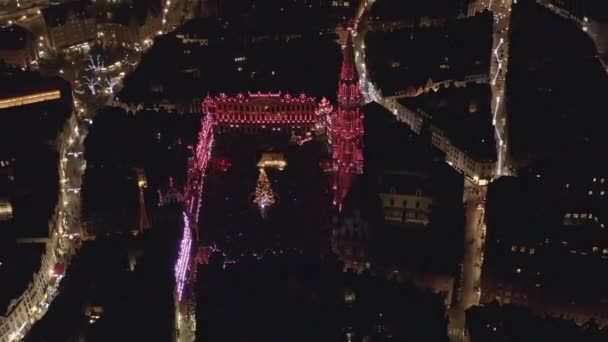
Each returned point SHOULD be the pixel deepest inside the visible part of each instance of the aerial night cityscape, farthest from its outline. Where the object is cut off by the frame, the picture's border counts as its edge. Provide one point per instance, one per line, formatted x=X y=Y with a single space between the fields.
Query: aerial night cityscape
x=303 y=170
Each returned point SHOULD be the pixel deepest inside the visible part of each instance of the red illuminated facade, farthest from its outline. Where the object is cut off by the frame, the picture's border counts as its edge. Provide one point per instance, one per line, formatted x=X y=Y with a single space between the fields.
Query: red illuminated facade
x=274 y=111
x=302 y=114
x=345 y=127
x=342 y=126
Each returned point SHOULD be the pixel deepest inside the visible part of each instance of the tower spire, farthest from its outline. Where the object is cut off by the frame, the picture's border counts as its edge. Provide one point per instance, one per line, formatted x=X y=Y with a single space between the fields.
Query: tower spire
x=349 y=71
x=346 y=127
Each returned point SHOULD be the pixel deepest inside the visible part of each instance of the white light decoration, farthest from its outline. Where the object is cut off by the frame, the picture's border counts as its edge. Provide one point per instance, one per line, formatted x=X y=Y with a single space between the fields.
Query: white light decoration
x=91 y=83
x=96 y=64
x=111 y=82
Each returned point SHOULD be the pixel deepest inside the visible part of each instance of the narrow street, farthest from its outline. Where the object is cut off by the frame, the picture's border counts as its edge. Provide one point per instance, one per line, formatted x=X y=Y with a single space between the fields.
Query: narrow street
x=498 y=73
x=467 y=290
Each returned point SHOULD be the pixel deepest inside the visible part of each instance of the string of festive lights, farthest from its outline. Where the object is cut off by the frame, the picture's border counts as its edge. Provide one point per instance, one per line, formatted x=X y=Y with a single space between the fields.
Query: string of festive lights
x=183 y=260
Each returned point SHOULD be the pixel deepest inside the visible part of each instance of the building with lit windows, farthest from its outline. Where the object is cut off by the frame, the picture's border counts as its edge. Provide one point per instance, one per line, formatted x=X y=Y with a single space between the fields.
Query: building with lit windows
x=460 y=123
x=264 y=111
x=117 y=27
x=547 y=242
x=6 y=177
x=21 y=90
x=390 y=15
x=405 y=201
x=70 y=26
x=39 y=107
x=149 y=28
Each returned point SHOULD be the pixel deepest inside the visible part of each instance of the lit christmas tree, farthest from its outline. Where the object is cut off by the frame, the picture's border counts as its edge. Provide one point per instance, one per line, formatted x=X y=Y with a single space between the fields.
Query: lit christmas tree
x=264 y=196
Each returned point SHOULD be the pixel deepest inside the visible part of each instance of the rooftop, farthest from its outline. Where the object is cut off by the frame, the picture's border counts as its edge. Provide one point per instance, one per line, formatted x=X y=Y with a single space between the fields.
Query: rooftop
x=19 y=262
x=399 y=9
x=403 y=182
x=464 y=114
x=556 y=88
x=57 y=14
x=15 y=83
x=453 y=52
x=13 y=37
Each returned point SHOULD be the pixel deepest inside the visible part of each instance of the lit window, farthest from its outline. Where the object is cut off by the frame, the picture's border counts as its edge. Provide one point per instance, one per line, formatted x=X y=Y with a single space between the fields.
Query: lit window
x=522 y=249
x=603 y=180
x=590 y=192
x=532 y=251
x=595 y=249
x=513 y=248
x=594 y=180
x=583 y=215
x=518 y=270
x=575 y=215
x=568 y=215
x=605 y=251
x=602 y=193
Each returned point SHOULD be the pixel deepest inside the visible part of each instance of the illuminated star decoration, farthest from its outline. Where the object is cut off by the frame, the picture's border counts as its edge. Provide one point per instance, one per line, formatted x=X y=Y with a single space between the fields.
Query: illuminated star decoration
x=264 y=196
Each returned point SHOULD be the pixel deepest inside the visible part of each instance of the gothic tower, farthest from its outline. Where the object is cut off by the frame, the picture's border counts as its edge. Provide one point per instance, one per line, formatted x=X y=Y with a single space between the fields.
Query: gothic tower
x=346 y=127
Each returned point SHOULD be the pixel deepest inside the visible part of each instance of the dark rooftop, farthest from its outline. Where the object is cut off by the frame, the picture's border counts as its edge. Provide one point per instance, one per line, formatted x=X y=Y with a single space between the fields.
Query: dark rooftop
x=557 y=89
x=119 y=14
x=56 y=15
x=18 y=83
x=13 y=37
x=400 y=9
x=464 y=114
x=19 y=262
x=409 y=58
x=403 y=182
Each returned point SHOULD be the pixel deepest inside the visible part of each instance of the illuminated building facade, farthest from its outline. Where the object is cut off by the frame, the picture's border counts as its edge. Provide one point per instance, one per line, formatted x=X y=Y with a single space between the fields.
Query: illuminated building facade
x=255 y=111
x=6 y=176
x=272 y=160
x=24 y=100
x=404 y=201
x=69 y=26
x=270 y=112
x=547 y=241
x=345 y=127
